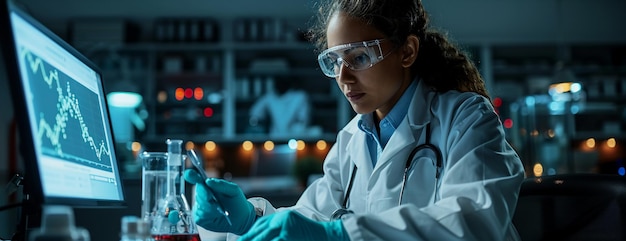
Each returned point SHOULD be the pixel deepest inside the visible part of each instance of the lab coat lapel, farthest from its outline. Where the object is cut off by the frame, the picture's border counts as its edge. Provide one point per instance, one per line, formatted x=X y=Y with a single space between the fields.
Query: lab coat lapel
x=420 y=112
x=359 y=154
x=401 y=139
x=405 y=137
x=408 y=132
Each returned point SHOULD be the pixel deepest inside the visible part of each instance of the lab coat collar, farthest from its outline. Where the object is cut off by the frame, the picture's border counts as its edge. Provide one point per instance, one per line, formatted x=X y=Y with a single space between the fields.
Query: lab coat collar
x=412 y=127
x=356 y=145
x=362 y=159
x=402 y=138
x=418 y=115
x=420 y=110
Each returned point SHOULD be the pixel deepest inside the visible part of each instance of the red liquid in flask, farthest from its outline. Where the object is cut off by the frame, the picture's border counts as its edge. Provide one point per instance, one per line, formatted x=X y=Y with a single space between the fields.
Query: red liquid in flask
x=177 y=237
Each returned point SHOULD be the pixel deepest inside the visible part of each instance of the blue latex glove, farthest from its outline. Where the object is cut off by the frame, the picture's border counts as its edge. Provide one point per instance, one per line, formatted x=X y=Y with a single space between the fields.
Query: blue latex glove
x=291 y=225
x=205 y=214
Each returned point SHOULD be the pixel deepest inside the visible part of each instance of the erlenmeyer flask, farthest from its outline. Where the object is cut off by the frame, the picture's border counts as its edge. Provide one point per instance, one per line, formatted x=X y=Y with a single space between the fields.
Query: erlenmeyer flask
x=172 y=220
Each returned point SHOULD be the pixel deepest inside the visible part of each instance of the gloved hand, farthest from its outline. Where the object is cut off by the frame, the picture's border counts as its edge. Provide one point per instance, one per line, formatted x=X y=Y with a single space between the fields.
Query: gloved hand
x=290 y=225
x=205 y=214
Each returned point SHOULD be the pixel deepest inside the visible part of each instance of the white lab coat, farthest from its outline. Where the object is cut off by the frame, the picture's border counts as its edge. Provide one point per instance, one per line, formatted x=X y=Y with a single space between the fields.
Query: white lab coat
x=289 y=112
x=478 y=187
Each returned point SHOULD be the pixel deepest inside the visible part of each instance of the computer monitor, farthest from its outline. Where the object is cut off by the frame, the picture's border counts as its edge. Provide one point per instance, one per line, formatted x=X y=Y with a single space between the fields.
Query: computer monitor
x=66 y=139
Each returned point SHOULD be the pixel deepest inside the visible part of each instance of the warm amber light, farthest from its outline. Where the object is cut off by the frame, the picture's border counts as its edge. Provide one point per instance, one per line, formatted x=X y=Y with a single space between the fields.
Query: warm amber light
x=534 y=133
x=561 y=87
x=522 y=132
x=162 y=96
x=611 y=143
x=551 y=133
x=300 y=145
x=179 y=94
x=538 y=170
x=190 y=145
x=136 y=146
x=321 y=145
x=198 y=93
x=591 y=143
x=247 y=145
x=210 y=146
x=268 y=145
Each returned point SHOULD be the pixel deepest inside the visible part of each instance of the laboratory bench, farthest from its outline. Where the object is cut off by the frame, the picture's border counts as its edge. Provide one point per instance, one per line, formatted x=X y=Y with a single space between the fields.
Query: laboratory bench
x=104 y=224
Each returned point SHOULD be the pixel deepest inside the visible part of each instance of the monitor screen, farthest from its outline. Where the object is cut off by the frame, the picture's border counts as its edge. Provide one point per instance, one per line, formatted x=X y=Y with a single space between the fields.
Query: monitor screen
x=66 y=141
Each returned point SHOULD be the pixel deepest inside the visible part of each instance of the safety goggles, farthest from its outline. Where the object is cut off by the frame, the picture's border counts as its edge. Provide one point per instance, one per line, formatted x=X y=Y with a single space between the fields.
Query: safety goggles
x=356 y=56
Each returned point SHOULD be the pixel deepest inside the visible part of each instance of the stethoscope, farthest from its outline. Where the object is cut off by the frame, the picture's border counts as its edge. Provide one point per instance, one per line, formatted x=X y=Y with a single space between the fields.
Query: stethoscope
x=426 y=146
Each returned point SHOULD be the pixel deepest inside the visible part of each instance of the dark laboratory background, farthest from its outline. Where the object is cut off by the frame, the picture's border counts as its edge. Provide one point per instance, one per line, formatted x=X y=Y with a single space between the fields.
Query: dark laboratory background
x=239 y=83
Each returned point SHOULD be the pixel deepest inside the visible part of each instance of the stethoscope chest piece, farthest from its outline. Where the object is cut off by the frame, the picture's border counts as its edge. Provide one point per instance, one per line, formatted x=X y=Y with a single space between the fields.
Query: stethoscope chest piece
x=337 y=214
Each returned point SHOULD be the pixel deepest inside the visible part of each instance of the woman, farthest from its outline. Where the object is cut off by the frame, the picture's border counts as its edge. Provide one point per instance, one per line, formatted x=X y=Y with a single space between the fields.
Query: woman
x=413 y=92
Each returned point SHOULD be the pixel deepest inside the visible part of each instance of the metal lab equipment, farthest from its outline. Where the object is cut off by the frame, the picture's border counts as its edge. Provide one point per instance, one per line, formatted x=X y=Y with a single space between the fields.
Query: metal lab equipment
x=546 y=129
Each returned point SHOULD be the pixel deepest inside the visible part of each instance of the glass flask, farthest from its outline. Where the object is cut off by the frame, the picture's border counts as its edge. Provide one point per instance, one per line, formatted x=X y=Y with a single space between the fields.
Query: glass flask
x=164 y=204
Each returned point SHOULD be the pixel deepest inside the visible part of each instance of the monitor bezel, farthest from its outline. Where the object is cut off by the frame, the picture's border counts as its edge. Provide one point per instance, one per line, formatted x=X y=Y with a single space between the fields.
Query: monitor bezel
x=33 y=194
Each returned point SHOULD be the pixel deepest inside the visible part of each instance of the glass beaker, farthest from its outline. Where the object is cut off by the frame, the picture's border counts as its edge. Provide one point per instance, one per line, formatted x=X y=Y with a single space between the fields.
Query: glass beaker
x=164 y=203
x=153 y=183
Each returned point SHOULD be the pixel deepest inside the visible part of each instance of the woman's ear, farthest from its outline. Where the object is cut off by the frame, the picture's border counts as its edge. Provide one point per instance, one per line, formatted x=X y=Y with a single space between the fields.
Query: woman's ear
x=410 y=51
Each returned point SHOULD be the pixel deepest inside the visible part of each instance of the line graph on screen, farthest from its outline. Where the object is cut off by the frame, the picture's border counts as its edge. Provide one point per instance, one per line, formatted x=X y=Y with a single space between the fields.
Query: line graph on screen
x=69 y=125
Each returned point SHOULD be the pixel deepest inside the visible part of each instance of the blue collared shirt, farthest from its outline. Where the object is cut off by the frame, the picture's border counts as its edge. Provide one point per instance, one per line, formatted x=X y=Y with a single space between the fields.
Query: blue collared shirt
x=388 y=125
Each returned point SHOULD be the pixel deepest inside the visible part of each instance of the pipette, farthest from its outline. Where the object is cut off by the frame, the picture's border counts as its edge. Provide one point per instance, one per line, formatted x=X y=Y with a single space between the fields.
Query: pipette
x=196 y=163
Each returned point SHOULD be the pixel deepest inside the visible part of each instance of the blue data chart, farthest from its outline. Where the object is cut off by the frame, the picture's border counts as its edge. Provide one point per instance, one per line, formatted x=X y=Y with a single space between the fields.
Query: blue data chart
x=70 y=124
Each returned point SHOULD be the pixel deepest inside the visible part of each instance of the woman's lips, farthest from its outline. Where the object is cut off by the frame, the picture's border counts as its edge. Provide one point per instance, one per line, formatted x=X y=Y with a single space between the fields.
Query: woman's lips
x=354 y=96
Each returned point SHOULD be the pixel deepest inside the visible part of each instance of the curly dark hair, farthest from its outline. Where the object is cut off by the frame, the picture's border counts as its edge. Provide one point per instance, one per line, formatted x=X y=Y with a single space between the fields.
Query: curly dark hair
x=440 y=63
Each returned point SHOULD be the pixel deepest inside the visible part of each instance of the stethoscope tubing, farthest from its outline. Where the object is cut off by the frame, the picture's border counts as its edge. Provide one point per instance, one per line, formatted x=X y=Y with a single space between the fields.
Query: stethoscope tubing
x=427 y=145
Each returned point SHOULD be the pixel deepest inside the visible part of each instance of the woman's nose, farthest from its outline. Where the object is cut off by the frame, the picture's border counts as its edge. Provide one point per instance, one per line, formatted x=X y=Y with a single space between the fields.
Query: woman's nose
x=345 y=74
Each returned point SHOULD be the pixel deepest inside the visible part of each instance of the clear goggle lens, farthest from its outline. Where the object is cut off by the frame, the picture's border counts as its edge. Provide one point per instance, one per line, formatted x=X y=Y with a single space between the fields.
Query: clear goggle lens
x=356 y=56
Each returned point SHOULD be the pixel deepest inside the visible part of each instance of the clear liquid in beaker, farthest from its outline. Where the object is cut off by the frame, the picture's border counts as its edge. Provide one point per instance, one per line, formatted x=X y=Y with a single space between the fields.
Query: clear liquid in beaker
x=164 y=203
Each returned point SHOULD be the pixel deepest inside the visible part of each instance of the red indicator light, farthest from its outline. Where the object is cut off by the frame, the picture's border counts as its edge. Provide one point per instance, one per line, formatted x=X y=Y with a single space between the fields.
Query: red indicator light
x=188 y=93
x=508 y=123
x=208 y=112
x=497 y=102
